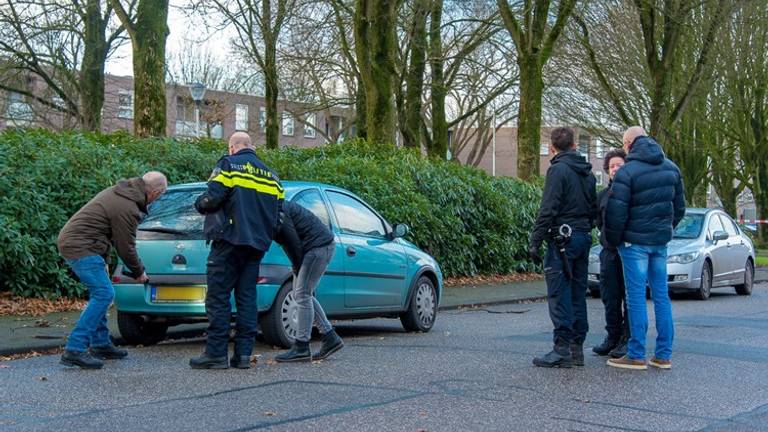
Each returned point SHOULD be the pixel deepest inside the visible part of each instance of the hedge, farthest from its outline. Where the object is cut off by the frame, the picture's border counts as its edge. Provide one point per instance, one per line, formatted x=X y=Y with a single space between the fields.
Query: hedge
x=470 y=222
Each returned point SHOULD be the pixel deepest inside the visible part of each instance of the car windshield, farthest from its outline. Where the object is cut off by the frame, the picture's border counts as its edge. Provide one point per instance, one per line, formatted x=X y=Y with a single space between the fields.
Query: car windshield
x=174 y=214
x=690 y=226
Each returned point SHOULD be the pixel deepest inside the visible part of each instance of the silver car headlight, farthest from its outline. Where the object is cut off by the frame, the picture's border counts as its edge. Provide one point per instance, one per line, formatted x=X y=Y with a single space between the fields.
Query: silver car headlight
x=685 y=258
x=594 y=258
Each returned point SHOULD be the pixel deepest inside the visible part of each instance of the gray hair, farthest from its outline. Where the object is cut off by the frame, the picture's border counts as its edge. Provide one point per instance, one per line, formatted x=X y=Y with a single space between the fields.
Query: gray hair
x=155 y=181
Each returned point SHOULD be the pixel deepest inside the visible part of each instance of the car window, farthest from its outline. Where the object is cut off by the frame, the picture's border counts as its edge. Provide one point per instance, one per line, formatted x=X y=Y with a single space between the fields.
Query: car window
x=730 y=226
x=174 y=214
x=354 y=216
x=714 y=225
x=689 y=227
x=313 y=201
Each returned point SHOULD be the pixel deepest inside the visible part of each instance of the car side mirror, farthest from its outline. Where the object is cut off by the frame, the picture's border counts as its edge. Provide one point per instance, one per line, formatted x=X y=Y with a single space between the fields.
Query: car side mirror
x=719 y=235
x=400 y=230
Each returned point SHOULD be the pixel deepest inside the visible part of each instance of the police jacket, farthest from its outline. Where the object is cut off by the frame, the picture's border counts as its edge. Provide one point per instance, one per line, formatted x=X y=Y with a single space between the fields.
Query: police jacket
x=301 y=231
x=646 y=200
x=242 y=201
x=569 y=197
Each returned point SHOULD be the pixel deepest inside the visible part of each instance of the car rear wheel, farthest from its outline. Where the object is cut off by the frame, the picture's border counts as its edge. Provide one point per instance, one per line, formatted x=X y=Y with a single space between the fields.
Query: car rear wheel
x=749 y=279
x=281 y=323
x=138 y=330
x=705 y=288
x=422 y=309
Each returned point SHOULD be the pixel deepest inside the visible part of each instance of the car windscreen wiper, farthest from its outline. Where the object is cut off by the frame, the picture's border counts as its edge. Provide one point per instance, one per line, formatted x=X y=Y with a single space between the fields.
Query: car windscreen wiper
x=163 y=230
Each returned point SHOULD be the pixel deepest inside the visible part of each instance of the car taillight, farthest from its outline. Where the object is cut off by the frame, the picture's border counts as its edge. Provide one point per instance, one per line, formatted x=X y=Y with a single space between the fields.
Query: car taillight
x=115 y=279
x=262 y=280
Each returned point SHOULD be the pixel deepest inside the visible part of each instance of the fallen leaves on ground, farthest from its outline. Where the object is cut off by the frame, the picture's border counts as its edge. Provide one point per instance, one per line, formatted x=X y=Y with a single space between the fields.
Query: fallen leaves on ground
x=30 y=354
x=270 y=413
x=15 y=305
x=42 y=378
x=270 y=362
x=492 y=279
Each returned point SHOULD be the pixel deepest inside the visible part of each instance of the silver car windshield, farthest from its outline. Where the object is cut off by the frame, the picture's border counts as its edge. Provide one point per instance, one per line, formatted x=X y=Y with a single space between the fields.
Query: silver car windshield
x=690 y=227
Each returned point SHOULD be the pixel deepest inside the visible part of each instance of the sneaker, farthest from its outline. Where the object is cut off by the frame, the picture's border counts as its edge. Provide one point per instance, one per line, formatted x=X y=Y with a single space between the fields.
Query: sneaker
x=627 y=363
x=660 y=364
x=108 y=352
x=620 y=350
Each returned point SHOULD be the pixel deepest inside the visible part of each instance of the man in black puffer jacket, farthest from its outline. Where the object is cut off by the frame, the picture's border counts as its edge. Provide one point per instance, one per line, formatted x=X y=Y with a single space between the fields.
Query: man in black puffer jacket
x=569 y=199
x=645 y=204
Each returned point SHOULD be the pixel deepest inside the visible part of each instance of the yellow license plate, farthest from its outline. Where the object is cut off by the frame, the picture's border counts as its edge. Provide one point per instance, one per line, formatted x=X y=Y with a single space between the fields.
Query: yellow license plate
x=193 y=293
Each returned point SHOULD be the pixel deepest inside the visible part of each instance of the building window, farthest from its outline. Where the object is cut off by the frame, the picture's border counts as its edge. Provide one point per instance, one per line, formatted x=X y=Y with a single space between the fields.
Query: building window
x=309 y=126
x=263 y=119
x=287 y=124
x=584 y=140
x=185 y=118
x=241 y=117
x=125 y=104
x=544 y=149
x=19 y=112
x=599 y=148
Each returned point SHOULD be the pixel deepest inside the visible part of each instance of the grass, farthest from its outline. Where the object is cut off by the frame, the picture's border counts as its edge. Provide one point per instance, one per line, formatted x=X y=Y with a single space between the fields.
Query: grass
x=762 y=258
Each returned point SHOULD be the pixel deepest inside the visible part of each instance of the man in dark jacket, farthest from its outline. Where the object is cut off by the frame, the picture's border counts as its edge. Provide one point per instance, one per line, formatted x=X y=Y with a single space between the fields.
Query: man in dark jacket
x=85 y=242
x=566 y=217
x=611 y=273
x=645 y=205
x=241 y=207
x=309 y=245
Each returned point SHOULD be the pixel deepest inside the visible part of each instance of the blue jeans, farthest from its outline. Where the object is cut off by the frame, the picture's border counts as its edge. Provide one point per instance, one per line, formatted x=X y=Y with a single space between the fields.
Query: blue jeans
x=91 y=329
x=641 y=264
x=567 y=298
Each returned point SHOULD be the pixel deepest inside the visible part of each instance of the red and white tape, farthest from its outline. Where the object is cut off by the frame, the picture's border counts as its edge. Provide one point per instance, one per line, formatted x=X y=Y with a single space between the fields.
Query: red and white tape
x=754 y=221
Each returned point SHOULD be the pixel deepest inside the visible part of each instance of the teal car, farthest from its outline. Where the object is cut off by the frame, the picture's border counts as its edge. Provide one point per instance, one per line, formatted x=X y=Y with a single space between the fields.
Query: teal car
x=374 y=272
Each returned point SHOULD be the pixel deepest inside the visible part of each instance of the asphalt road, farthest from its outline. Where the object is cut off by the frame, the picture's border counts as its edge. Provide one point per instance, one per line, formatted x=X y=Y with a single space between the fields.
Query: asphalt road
x=472 y=372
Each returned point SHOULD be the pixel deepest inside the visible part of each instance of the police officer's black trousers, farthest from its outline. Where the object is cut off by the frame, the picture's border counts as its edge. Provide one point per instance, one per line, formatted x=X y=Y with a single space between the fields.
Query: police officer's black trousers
x=230 y=268
x=567 y=296
x=612 y=293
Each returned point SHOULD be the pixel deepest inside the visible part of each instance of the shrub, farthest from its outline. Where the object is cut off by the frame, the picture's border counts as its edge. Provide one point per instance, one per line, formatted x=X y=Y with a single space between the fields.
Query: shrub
x=472 y=223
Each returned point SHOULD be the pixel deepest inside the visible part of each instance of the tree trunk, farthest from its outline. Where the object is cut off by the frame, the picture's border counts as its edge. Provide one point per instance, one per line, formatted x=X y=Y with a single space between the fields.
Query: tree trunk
x=361 y=129
x=379 y=109
x=270 y=95
x=92 y=68
x=529 y=115
x=151 y=32
x=438 y=145
x=414 y=79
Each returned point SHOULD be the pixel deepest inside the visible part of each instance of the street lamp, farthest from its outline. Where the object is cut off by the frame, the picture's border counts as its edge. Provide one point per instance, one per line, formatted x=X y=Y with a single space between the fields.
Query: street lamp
x=197 y=91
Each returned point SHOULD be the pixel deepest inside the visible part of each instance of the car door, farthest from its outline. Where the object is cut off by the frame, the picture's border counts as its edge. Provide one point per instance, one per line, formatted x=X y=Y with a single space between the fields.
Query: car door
x=374 y=265
x=330 y=289
x=737 y=250
x=719 y=251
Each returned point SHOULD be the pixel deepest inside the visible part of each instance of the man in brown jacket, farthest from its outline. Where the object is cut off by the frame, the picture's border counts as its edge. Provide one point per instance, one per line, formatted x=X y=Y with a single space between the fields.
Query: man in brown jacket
x=110 y=218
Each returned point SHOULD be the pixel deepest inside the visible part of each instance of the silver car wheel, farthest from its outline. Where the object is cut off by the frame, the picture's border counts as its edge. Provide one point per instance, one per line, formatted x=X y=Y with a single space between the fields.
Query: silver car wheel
x=290 y=316
x=425 y=304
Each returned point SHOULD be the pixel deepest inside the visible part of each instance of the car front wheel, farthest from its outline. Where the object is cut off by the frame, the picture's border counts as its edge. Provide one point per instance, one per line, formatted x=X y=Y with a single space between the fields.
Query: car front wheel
x=138 y=330
x=281 y=323
x=422 y=309
x=705 y=287
x=749 y=279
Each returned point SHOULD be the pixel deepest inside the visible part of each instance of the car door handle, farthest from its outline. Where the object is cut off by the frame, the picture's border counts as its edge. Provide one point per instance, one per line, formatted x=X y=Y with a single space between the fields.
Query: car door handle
x=351 y=251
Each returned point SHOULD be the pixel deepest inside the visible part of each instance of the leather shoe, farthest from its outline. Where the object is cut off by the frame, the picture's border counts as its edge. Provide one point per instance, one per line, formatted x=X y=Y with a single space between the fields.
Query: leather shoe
x=84 y=360
x=109 y=352
x=240 y=362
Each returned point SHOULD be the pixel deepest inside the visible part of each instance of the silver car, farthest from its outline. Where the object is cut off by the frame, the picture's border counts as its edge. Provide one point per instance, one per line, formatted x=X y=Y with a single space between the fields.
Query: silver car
x=708 y=250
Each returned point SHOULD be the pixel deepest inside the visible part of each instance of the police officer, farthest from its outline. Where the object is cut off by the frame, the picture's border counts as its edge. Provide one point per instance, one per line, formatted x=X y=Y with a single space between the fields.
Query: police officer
x=241 y=207
x=566 y=217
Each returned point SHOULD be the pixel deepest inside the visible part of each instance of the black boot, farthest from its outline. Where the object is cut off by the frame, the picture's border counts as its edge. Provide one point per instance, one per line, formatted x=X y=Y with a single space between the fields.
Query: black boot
x=577 y=352
x=621 y=348
x=207 y=362
x=608 y=344
x=331 y=343
x=560 y=356
x=299 y=352
x=81 y=359
x=240 y=362
x=108 y=352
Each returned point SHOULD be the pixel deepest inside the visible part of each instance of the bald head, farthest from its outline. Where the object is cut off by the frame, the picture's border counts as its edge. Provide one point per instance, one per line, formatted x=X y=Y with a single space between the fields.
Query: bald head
x=239 y=141
x=631 y=135
x=155 y=184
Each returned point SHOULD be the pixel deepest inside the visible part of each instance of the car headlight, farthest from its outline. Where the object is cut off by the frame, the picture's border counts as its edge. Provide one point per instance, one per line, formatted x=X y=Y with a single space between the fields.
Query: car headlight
x=593 y=258
x=685 y=258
